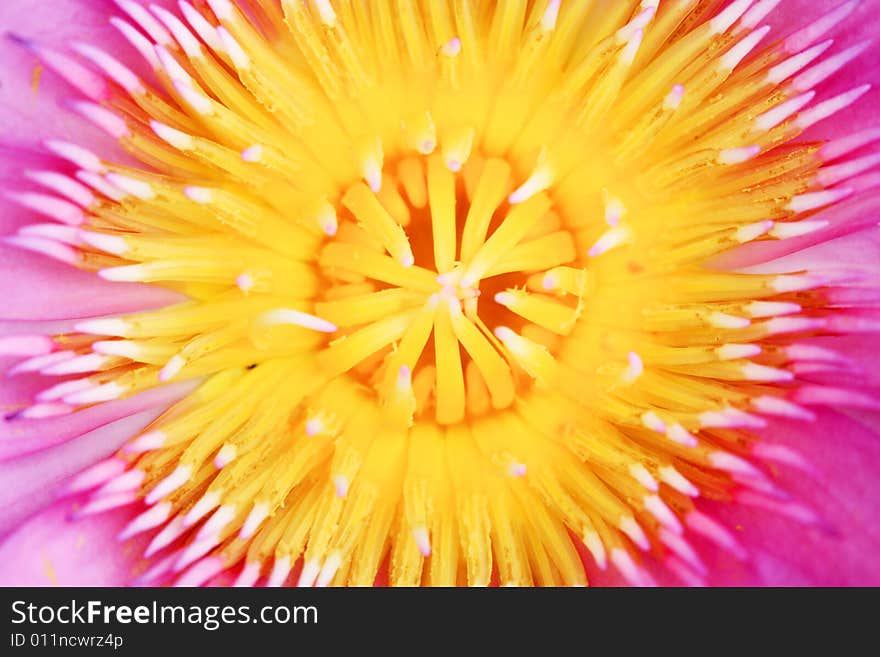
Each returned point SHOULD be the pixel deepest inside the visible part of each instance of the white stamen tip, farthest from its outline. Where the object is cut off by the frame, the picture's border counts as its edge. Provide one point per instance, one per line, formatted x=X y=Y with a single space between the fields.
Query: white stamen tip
x=738 y=155
x=236 y=53
x=152 y=517
x=199 y=101
x=665 y=516
x=218 y=520
x=597 y=549
x=734 y=465
x=423 y=542
x=172 y=367
x=311 y=570
x=678 y=434
x=314 y=426
x=252 y=153
x=673 y=478
x=725 y=321
x=404 y=378
x=280 y=571
x=208 y=502
x=82 y=157
x=170 y=484
x=340 y=484
x=139 y=188
x=640 y=473
x=245 y=282
x=124 y=274
x=550 y=15
x=200 y=195
x=103 y=242
x=297 y=318
x=95 y=394
x=634 y=369
x=225 y=456
x=674 y=97
x=407 y=259
x=255 y=518
x=756 y=372
x=753 y=231
x=325 y=11
x=176 y=138
x=653 y=422
x=612 y=238
x=329 y=569
x=631 y=528
x=737 y=351
x=452 y=47
x=813 y=200
x=145 y=442
x=79 y=365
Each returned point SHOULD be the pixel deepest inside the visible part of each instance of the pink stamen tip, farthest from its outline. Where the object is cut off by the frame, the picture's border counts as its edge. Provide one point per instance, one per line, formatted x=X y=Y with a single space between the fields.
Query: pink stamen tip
x=184 y=37
x=82 y=157
x=683 y=549
x=102 y=504
x=280 y=571
x=249 y=575
x=48 y=248
x=49 y=206
x=85 y=81
x=715 y=532
x=200 y=572
x=842 y=145
x=827 y=67
x=137 y=40
x=40 y=411
x=111 y=67
x=94 y=476
x=815 y=30
x=142 y=17
x=26 y=345
x=165 y=537
x=111 y=123
x=63 y=185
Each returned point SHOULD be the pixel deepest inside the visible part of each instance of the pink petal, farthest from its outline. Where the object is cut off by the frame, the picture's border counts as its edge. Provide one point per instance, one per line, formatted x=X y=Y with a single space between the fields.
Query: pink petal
x=21 y=436
x=846 y=454
x=45 y=289
x=30 y=116
x=792 y=15
x=30 y=482
x=855 y=251
x=49 y=550
x=862 y=210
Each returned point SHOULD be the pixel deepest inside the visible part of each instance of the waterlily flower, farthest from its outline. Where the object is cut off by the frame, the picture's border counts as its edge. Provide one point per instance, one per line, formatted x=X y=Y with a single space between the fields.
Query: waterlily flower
x=337 y=292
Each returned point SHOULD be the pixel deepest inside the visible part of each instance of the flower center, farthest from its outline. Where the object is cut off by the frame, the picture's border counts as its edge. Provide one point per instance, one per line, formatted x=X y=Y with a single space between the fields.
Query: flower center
x=382 y=219
x=438 y=274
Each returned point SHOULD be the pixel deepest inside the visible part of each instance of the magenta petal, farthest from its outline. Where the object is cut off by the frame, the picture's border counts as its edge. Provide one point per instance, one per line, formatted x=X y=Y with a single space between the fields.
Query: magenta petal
x=30 y=482
x=845 y=453
x=43 y=289
x=852 y=250
x=861 y=211
x=860 y=25
x=28 y=115
x=18 y=437
x=856 y=217
x=856 y=251
x=50 y=550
